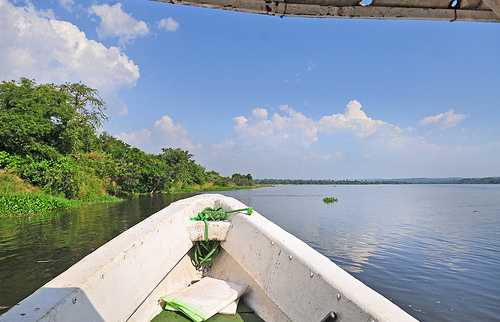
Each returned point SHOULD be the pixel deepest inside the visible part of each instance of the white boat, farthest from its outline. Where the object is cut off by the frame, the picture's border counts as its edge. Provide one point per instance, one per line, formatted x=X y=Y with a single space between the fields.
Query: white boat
x=124 y=279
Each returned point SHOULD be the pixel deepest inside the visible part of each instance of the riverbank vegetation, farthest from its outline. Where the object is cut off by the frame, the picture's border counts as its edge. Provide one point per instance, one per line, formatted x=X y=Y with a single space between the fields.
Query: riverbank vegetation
x=486 y=180
x=18 y=198
x=49 y=139
x=324 y=182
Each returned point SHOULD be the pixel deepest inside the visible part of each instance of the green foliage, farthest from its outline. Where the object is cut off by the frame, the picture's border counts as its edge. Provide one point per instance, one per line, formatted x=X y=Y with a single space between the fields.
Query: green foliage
x=326 y=182
x=242 y=180
x=486 y=180
x=48 y=120
x=87 y=102
x=67 y=175
x=23 y=204
x=216 y=179
x=10 y=183
x=48 y=137
x=172 y=170
x=73 y=179
x=18 y=198
x=8 y=161
x=181 y=168
x=30 y=204
x=330 y=200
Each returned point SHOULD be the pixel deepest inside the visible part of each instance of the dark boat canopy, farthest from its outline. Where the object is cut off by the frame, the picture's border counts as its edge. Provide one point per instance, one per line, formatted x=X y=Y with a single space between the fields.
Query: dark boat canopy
x=450 y=10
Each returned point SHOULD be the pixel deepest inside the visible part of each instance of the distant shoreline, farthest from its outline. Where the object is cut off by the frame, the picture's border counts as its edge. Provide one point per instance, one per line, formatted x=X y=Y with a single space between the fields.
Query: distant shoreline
x=485 y=180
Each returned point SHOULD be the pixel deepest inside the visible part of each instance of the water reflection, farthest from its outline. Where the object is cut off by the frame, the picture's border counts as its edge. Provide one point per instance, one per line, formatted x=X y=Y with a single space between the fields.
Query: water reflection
x=33 y=250
x=432 y=249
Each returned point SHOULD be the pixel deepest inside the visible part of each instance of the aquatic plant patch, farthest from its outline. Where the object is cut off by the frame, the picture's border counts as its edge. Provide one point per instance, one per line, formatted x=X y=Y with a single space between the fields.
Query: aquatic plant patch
x=24 y=204
x=20 y=204
x=330 y=200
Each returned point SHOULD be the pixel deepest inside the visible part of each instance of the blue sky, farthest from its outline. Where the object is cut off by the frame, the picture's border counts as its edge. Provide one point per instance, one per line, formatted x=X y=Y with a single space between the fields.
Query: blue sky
x=277 y=98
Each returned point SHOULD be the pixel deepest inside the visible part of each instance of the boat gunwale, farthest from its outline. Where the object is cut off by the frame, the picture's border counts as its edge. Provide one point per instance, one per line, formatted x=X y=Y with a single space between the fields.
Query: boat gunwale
x=94 y=282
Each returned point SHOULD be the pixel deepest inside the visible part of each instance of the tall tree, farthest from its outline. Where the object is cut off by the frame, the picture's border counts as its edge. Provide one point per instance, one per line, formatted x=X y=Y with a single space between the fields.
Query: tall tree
x=48 y=120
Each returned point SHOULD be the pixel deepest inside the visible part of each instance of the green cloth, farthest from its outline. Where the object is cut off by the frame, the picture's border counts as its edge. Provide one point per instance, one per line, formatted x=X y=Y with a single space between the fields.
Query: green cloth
x=245 y=314
x=204 y=299
x=190 y=310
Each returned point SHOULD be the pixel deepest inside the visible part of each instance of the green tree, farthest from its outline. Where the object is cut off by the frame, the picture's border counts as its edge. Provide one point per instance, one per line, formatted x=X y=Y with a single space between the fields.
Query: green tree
x=48 y=137
x=135 y=171
x=242 y=180
x=176 y=164
x=48 y=120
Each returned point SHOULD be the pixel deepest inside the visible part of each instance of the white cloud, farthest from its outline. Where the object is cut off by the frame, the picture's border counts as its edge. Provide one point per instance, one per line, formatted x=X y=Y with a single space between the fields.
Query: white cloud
x=168 y=24
x=116 y=23
x=257 y=127
x=290 y=144
x=441 y=121
x=467 y=149
x=298 y=76
x=354 y=121
x=226 y=145
x=138 y=138
x=311 y=66
x=166 y=125
x=165 y=134
x=49 y=50
x=323 y=157
x=338 y=155
x=290 y=129
x=240 y=121
x=174 y=134
x=67 y=4
x=260 y=112
x=403 y=143
x=296 y=126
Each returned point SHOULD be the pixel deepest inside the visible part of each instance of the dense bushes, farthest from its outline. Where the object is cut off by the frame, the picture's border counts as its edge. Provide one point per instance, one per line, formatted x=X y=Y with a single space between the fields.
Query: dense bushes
x=241 y=180
x=67 y=175
x=18 y=198
x=48 y=138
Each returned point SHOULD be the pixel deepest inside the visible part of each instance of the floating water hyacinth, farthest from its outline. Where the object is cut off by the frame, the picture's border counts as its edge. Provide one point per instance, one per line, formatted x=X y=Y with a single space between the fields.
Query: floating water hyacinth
x=330 y=200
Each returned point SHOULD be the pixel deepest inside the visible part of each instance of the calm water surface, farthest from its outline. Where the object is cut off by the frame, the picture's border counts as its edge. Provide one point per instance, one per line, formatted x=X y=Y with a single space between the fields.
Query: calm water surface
x=35 y=250
x=434 y=250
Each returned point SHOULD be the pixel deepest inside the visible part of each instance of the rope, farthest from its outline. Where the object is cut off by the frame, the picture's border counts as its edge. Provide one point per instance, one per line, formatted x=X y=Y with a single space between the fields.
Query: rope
x=205 y=251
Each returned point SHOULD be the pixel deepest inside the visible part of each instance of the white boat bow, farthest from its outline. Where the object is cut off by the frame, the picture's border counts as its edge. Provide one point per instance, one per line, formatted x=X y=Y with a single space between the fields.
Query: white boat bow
x=124 y=279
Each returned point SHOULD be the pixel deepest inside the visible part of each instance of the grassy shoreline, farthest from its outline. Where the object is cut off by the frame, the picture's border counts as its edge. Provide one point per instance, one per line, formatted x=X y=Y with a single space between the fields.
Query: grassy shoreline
x=212 y=188
x=37 y=204
x=20 y=199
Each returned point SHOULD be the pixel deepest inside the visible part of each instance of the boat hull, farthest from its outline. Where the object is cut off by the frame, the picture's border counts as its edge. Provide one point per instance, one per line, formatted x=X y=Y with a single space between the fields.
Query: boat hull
x=124 y=279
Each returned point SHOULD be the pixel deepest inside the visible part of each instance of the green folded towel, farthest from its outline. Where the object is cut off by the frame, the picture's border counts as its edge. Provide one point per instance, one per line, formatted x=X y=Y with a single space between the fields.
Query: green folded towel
x=204 y=299
x=192 y=311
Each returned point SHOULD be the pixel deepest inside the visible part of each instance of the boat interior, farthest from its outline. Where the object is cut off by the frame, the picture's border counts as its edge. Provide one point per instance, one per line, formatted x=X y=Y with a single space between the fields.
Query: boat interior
x=125 y=279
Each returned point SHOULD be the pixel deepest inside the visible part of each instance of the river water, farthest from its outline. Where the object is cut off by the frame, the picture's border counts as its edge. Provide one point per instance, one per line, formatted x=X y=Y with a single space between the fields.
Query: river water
x=434 y=250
